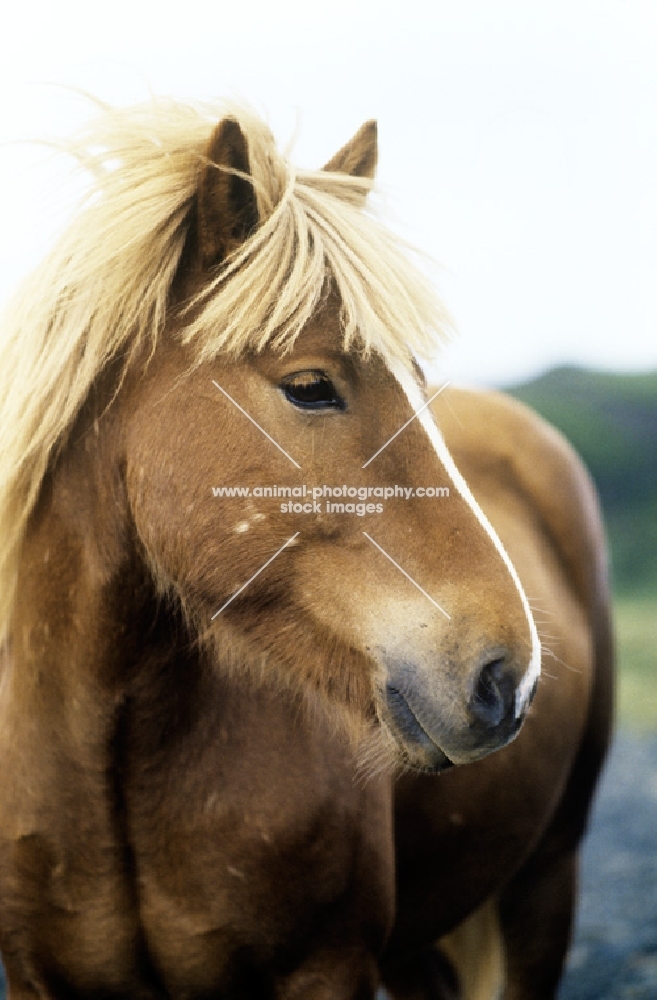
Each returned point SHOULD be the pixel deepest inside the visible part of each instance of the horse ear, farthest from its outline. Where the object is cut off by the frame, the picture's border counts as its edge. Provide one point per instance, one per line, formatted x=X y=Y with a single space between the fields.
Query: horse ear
x=358 y=157
x=226 y=202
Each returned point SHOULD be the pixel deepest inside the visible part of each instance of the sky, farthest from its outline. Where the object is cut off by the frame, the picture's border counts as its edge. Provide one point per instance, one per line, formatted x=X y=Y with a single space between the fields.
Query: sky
x=518 y=143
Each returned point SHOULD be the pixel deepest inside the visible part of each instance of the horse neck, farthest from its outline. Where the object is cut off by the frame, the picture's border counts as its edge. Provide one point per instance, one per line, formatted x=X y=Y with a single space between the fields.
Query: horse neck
x=80 y=595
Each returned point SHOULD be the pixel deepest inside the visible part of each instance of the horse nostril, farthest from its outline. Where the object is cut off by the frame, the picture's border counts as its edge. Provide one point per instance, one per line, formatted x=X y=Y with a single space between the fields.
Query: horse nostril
x=493 y=697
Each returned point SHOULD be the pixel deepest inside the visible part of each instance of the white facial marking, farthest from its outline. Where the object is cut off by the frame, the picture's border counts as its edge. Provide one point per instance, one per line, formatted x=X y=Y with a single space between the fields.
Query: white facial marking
x=414 y=396
x=241 y=527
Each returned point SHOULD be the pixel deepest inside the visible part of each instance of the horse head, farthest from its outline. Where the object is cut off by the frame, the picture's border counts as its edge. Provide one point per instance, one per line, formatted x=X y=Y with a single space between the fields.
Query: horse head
x=400 y=613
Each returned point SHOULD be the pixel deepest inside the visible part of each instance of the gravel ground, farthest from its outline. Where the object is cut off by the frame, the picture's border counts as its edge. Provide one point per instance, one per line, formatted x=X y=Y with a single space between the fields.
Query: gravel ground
x=615 y=951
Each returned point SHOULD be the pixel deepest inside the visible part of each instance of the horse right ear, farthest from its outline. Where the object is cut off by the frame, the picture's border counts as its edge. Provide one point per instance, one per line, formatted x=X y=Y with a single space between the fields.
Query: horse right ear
x=358 y=157
x=226 y=202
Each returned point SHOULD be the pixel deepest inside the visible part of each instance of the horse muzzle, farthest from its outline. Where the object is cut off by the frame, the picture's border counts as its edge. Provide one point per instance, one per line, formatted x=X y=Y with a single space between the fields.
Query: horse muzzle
x=437 y=725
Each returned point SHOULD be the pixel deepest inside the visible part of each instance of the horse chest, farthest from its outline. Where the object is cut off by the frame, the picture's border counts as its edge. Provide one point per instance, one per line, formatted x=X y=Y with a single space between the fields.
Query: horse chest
x=248 y=847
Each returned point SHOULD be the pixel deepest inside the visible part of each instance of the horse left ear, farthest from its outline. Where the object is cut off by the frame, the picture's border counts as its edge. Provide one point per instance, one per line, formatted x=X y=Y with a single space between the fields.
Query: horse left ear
x=359 y=156
x=226 y=201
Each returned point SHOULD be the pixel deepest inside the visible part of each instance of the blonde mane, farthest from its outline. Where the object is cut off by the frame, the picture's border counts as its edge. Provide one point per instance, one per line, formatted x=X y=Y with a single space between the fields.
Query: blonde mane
x=103 y=292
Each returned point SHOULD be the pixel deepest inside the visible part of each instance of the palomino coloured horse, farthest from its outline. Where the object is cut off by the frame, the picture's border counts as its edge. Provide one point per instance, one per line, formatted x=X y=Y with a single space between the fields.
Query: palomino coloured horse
x=203 y=698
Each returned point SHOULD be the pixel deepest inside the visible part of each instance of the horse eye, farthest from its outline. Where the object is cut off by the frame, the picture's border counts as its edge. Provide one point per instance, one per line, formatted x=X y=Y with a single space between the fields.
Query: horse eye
x=312 y=391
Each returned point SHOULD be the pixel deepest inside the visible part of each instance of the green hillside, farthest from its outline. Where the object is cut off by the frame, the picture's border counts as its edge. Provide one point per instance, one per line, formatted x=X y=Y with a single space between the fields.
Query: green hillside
x=611 y=419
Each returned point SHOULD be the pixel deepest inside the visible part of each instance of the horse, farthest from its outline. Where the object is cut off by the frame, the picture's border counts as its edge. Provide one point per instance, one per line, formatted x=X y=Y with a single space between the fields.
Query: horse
x=233 y=732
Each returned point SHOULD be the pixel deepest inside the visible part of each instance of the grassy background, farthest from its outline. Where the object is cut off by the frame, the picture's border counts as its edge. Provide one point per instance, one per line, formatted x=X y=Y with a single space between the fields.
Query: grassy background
x=612 y=422
x=637 y=684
